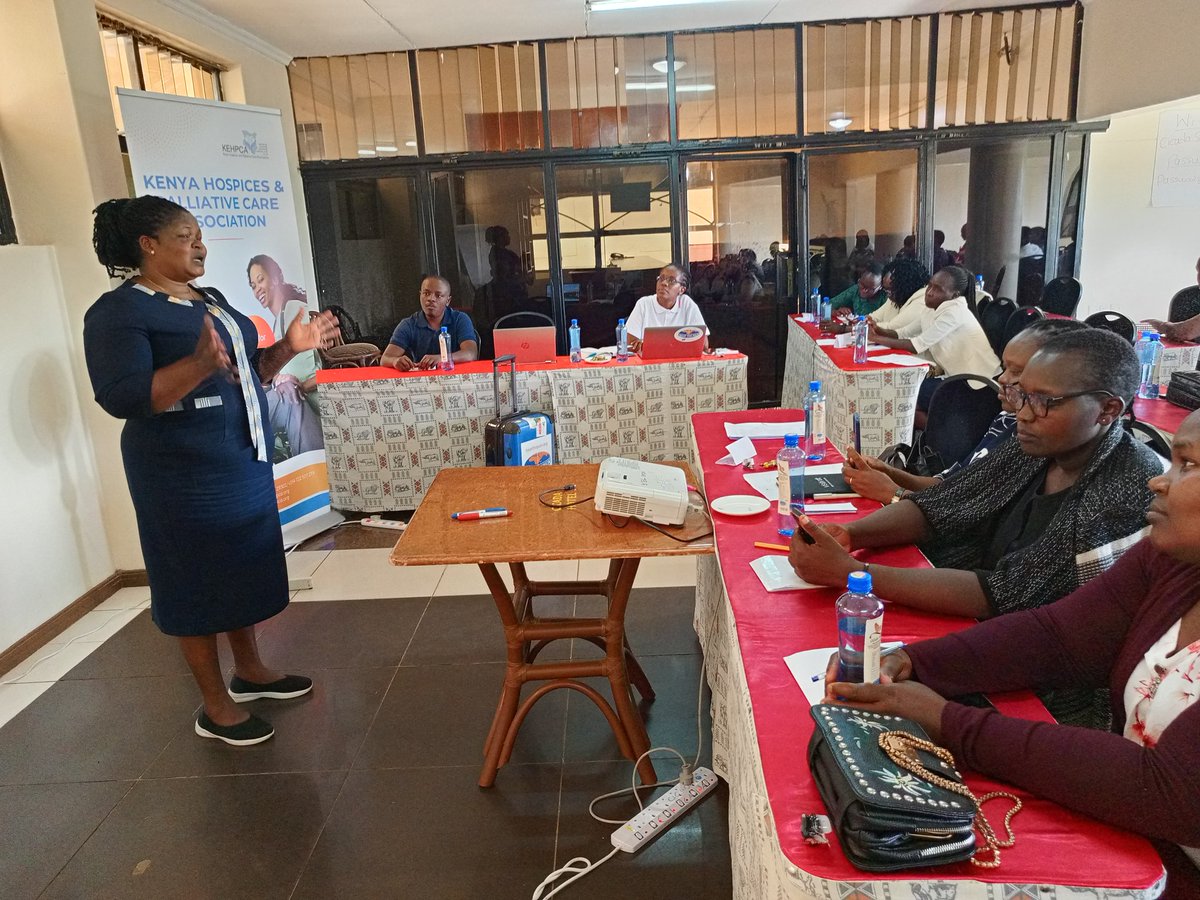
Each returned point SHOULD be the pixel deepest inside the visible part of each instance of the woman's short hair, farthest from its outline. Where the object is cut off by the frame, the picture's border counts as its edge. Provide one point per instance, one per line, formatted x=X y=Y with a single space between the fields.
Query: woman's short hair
x=1100 y=359
x=119 y=224
x=1045 y=329
x=681 y=274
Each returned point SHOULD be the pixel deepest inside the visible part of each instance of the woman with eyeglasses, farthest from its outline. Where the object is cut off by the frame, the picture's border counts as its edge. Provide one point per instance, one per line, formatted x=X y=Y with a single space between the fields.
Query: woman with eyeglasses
x=1042 y=514
x=668 y=307
x=1134 y=630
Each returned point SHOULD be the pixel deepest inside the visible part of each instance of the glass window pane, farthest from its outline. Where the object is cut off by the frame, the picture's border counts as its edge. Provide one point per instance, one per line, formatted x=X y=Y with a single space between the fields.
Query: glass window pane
x=990 y=203
x=486 y=245
x=366 y=249
x=862 y=208
x=866 y=76
x=739 y=263
x=612 y=265
x=1072 y=187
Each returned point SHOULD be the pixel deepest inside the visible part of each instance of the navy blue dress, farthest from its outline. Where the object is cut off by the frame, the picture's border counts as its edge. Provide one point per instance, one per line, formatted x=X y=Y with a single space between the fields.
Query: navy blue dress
x=206 y=509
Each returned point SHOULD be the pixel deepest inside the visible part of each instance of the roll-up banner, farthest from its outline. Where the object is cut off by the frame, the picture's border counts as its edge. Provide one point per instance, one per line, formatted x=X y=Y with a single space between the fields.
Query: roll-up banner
x=226 y=164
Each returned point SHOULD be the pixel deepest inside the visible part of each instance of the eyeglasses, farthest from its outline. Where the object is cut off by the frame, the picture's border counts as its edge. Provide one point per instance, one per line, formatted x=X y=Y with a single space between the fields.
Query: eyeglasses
x=1040 y=403
x=438 y=294
x=664 y=279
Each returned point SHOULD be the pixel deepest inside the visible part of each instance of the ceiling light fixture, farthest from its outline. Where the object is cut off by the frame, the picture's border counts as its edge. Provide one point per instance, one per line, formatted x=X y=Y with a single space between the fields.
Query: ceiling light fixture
x=662 y=86
x=661 y=65
x=366 y=152
x=612 y=5
x=840 y=121
x=410 y=143
x=387 y=149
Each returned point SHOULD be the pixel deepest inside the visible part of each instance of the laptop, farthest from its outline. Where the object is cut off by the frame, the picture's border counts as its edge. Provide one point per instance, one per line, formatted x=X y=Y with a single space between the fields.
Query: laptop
x=528 y=345
x=685 y=342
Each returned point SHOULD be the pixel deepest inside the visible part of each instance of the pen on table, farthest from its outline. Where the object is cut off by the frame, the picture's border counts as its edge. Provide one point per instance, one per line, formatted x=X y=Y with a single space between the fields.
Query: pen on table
x=763 y=545
x=842 y=496
x=887 y=650
x=492 y=512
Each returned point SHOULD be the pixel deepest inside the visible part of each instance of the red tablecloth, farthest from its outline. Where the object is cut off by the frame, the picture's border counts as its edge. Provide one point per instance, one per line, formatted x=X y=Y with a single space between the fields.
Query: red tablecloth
x=1162 y=414
x=379 y=373
x=1054 y=846
x=843 y=357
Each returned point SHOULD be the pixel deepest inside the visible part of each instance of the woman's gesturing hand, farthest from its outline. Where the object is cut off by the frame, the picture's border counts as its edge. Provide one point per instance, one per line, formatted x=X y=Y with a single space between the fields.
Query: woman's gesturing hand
x=317 y=333
x=210 y=354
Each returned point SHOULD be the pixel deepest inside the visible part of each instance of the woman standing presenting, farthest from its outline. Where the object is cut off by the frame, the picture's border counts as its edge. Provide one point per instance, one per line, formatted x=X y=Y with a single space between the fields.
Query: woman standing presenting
x=174 y=360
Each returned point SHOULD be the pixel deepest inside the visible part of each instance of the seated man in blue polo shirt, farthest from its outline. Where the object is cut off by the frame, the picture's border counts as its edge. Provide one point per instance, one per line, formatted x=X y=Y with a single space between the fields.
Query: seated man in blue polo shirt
x=414 y=343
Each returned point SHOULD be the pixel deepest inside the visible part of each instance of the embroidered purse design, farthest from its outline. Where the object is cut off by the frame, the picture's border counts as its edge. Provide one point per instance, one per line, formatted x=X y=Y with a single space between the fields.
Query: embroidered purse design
x=896 y=799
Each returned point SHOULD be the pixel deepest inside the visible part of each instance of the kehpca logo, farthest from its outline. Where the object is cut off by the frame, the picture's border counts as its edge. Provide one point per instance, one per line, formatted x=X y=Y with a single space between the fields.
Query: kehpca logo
x=250 y=147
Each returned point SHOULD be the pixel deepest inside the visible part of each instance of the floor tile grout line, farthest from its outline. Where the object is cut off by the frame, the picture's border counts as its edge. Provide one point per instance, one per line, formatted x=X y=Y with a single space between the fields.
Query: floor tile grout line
x=412 y=637
x=320 y=832
x=90 y=835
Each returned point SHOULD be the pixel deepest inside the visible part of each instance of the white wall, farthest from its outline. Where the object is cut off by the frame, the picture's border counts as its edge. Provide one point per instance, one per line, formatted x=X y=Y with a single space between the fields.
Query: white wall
x=54 y=548
x=1137 y=53
x=1134 y=256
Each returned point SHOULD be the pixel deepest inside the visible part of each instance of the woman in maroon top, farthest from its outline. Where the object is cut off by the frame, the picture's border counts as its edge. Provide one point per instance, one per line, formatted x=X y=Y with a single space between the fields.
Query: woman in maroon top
x=1132 y=629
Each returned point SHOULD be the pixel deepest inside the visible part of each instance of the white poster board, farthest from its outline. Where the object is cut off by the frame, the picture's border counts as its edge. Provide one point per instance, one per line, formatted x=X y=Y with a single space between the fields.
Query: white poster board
x=1177 y=159
x=226 y=164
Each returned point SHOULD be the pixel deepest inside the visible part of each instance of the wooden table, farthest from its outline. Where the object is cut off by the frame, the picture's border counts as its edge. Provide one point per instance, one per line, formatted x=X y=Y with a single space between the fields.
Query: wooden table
x=536 y=531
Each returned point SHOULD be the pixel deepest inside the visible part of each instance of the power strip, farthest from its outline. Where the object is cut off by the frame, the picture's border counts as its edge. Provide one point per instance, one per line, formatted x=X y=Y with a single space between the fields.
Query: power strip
x=663 y=812
x=377 y=522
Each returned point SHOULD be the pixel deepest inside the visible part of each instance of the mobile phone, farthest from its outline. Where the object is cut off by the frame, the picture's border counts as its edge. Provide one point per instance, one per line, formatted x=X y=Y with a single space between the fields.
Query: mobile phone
x=804 y=535
x=857 y=434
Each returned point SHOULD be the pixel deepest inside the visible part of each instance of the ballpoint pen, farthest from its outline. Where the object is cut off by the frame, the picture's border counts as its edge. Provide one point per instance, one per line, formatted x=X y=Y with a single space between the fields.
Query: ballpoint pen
x=492 y=512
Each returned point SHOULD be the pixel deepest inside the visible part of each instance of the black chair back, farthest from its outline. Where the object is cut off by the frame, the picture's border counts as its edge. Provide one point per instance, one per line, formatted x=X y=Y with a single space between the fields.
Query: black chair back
x=960 y=412
x=522 y=319
x=1184 y=305
x=1022 y=318
x=349 y=328
x=981 y=305
x=1150 y=436
x=1114 y=322
x=993 y=318
x=1061 y=296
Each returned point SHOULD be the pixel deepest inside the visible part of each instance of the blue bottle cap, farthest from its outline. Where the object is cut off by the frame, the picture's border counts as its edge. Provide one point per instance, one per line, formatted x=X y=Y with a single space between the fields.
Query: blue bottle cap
x=620 y=321
x=574 y=322
x=445 y=330
x=791 y=440
x=859 y=583
x=814 y=385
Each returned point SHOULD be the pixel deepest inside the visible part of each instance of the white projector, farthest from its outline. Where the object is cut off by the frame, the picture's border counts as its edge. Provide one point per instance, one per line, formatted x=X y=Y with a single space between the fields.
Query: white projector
x=630 y=487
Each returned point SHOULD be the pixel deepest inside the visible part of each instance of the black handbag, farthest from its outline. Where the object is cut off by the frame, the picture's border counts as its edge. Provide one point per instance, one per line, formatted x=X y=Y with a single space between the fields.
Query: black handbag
x=915 y=459
x=895 y=798
x=1184 y=389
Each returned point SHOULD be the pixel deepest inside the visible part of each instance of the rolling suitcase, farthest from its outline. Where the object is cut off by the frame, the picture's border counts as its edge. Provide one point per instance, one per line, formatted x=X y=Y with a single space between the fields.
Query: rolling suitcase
x=519 y=438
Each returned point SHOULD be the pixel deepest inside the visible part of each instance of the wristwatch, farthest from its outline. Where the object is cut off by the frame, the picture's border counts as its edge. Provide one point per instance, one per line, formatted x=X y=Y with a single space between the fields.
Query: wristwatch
x=898 y=496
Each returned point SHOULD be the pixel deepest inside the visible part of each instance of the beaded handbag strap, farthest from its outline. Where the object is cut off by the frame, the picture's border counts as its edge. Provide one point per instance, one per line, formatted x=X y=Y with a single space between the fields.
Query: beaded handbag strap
x=901 y=747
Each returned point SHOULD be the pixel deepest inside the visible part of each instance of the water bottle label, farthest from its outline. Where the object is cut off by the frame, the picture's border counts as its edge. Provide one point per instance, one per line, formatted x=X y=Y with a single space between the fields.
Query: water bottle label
x=783 y=485
x=816 y=425
x=871 y=644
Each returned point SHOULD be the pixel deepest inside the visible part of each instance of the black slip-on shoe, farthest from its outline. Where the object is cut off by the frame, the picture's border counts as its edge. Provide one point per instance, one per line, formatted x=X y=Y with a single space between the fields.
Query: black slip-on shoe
x=285 y=688
x=253 y=731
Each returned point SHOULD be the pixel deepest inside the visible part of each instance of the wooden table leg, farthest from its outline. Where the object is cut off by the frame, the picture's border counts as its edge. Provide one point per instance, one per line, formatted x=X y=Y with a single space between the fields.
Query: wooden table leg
x=614 y=663
x=510 y=694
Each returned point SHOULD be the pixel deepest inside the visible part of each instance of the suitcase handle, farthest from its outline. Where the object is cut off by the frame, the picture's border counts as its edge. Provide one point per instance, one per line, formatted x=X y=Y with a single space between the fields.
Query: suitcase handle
x=511 y=359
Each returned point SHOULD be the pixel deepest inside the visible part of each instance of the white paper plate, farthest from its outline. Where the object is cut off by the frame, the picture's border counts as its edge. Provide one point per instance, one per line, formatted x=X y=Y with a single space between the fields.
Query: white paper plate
x=598 y=359
x=740 y=505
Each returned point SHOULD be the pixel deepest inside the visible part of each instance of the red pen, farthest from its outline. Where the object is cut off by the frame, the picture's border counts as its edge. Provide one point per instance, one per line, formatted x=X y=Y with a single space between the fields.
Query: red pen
x=492 y=512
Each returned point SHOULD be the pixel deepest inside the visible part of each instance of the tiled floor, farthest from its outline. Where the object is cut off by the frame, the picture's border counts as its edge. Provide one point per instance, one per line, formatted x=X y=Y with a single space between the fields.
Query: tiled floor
x=368 y=789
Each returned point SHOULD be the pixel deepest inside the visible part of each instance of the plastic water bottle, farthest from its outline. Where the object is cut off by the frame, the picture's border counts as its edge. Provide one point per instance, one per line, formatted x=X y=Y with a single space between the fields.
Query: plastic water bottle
x=826 y=309
x=860 y=631
x=622 y=341
x=979 y=285
x=573 y=331
x=860 y=340
x=814 y=421
x=789 y=477
x=447 y=363
x=1149 y=351
x=814 y=304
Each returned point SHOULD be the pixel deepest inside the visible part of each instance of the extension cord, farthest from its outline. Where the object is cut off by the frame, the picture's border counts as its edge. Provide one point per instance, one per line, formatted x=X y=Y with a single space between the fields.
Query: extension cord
x=377 y=522
x=663 y=812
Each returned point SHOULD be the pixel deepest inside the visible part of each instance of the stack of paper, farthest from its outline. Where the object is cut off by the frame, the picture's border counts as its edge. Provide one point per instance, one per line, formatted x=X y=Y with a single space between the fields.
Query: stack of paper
x=762 y=429
x=900 y=359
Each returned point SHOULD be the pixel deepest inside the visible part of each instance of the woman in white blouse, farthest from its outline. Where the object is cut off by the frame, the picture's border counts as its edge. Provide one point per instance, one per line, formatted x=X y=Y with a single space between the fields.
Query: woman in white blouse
x=950 y=335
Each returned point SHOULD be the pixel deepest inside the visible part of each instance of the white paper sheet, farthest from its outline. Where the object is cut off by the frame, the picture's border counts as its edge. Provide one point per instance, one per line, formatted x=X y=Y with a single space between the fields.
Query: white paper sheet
x=816 y=509
x=738 y=452
x=900 y=359
x=826 y=342
x=823 y=469
x=777 y=574
x=808 y=668
x=764 y=483
x=762 y=429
